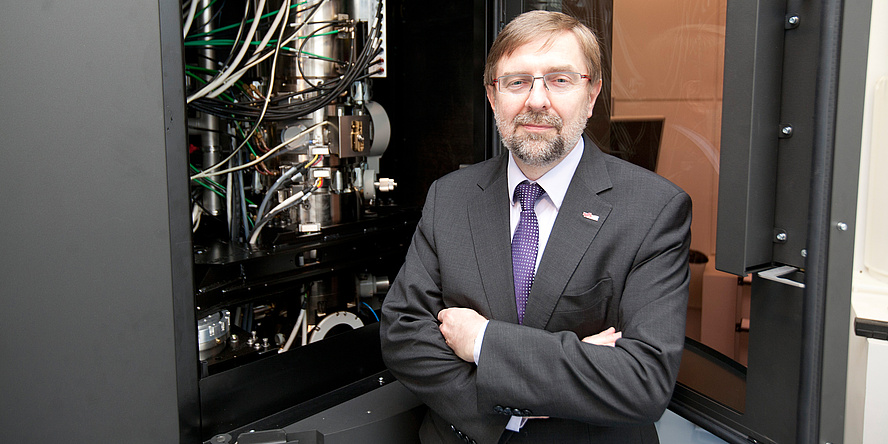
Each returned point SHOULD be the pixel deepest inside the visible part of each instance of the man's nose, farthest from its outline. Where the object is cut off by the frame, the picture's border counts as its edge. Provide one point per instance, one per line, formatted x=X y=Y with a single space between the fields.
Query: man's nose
x=538 y=96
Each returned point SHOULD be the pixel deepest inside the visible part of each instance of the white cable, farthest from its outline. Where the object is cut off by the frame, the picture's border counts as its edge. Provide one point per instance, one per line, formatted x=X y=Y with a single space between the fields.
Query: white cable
x=282 y=13
x=196 y=212
x=264 y=105
x=240 y=73
x=305 y=332
x=190 y=18
x=229 y=194
x=290 y=201
x=221 y=76
x=237 y=75
x=315 y=7
x=233 y=66
x=299 y=322
x=286 y=202
x=257 y=160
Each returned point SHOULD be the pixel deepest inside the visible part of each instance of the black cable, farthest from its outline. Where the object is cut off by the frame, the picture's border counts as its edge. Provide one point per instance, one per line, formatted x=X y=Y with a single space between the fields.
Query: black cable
x=216 y=15
x=299 y=54
x=237 y=38
x=248 y=111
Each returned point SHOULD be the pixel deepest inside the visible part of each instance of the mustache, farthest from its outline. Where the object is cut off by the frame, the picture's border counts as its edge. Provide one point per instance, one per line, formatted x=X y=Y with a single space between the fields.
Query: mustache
x=539 y=118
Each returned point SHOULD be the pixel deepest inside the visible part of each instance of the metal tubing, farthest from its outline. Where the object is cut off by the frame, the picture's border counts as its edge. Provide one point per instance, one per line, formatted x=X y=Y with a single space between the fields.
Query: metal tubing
x=211 y=146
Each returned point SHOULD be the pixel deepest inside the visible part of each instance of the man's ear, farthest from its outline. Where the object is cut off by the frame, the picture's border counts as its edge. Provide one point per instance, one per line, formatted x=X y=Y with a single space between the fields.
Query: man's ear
x=491 y=96
x=593 y=95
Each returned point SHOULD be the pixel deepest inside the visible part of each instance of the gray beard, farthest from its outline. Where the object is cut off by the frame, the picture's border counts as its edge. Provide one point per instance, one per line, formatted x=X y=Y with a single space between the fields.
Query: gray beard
x=536 y=149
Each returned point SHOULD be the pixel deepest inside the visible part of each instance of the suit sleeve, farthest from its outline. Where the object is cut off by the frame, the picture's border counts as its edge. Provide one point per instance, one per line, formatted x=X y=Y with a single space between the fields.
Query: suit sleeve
x=413 y=347
x=627 y=384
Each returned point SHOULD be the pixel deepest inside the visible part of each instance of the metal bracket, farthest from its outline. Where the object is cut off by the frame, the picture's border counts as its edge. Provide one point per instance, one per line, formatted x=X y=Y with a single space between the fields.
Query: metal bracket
x=776 y=275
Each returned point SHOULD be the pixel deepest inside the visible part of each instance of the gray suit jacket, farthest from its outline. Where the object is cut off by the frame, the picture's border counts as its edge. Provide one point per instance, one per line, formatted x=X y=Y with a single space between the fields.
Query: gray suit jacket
x=617 y=257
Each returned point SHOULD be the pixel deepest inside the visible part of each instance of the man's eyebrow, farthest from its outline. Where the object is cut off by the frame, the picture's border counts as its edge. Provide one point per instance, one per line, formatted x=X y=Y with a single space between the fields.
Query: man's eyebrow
x=561 y=68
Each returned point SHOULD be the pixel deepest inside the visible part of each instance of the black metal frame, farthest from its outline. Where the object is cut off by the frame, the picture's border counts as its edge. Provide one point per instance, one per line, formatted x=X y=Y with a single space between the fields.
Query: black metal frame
x=797 y=186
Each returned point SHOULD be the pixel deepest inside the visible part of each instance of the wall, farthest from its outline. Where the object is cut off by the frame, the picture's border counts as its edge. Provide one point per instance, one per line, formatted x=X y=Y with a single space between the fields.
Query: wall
x=668 y=61
x=867 y=395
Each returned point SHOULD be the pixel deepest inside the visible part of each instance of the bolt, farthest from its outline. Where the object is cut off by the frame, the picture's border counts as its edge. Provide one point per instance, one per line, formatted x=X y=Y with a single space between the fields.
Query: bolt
x=786 y=130
x=794 y=20
x=842 y=226
x=781 y=237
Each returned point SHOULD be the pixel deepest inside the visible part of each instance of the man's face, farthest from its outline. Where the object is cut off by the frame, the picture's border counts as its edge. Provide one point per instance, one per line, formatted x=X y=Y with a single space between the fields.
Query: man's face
x=541 y=127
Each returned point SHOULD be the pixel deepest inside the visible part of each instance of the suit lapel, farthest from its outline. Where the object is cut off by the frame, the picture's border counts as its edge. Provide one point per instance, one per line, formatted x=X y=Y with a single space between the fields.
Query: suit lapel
x=580 y=217
x=489 y=224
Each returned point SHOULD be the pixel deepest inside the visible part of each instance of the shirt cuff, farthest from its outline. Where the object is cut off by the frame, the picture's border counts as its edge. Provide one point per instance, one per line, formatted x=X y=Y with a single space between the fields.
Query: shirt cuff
x=515 y=423
x=476 y=350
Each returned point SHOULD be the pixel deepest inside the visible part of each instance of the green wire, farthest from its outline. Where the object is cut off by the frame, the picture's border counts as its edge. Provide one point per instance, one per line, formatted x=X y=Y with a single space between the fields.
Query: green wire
x=195 y=76
x=245 y=136
x=196 y=170
x=198 y=13
x=199 y=182
x=239 y=84
x=225 y=28
x=201 y=68
x=270 y=44
x=336 y=31
x=311 y=54
x=249 y=219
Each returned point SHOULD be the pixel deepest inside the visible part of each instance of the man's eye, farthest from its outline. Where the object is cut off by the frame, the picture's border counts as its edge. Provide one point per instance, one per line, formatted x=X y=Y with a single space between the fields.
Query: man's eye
x=516 y=83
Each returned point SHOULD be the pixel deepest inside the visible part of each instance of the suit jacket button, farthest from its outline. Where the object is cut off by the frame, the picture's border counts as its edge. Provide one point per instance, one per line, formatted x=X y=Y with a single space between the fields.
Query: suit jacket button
x=498 y=409
x=509 y=411
x=453 y=427
x=526 y=412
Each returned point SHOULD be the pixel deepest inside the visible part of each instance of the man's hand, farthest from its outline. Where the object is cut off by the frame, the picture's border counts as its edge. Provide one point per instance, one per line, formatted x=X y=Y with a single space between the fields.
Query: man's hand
x=460 y=326
x=607 y=338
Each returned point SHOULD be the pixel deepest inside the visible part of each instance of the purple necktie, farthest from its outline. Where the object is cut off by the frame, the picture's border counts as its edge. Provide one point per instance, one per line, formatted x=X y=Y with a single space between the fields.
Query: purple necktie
x=525 y=243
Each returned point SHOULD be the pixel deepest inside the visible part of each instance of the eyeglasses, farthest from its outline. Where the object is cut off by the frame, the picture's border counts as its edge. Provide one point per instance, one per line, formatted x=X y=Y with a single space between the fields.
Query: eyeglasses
x=557 y=82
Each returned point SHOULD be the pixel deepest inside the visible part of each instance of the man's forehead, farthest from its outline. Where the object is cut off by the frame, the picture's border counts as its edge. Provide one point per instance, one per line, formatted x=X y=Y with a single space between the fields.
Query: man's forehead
x=542 y=69
x=566 y=55
x=544 y=42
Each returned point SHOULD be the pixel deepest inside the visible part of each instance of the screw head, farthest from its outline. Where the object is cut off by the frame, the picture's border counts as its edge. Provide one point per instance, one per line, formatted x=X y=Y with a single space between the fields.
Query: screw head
x=794 y=20
x=781 y=237
x=842 y=226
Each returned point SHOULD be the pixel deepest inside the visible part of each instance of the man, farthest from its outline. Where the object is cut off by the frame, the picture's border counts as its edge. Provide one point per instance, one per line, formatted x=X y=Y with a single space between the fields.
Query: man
x=562 y=321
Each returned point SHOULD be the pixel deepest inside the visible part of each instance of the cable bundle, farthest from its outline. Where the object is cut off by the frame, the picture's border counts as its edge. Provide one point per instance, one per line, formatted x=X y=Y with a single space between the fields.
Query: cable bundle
x=259 y=41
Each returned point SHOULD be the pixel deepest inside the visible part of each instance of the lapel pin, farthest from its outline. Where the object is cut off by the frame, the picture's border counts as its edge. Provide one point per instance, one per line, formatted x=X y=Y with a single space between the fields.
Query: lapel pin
x=590 y=216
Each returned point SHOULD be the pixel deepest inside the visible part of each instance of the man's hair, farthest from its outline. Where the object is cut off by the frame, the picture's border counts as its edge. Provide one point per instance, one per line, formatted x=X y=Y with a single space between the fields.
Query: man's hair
x=533 y=25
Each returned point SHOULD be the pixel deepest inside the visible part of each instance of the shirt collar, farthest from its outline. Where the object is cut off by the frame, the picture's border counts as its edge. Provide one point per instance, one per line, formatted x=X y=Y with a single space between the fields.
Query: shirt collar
x=555 y=181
